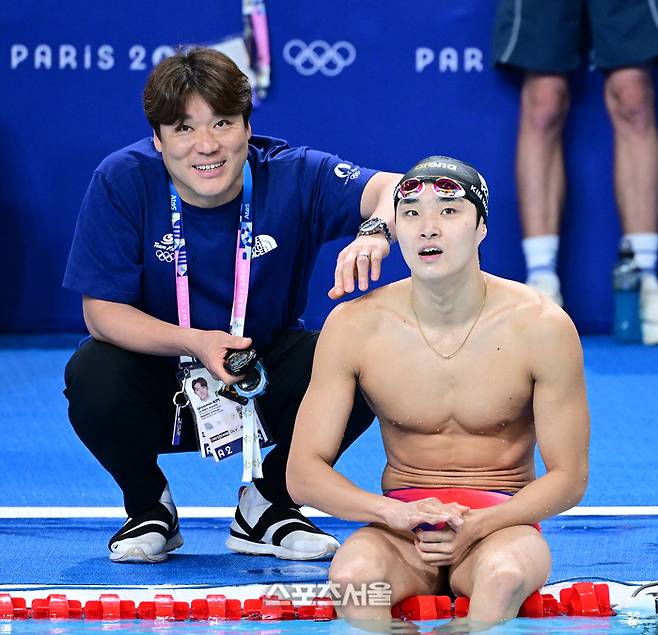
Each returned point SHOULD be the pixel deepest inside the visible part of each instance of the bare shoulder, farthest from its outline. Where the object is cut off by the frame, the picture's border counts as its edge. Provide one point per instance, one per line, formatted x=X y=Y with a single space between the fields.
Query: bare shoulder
x=367 y=314
x=531 y=310
x=548 y=334
x=350 y=327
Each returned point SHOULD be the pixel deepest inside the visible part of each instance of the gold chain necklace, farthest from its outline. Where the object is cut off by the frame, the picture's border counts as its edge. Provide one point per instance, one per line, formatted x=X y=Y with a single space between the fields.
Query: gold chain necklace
x=477 y=317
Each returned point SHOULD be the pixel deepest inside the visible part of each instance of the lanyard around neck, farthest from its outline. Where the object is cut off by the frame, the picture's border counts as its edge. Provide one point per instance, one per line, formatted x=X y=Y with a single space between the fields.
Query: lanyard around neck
x=242 y=256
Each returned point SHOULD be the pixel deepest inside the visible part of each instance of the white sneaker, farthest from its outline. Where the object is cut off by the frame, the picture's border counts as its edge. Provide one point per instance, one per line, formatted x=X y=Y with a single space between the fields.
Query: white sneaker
x=148 y=538
x=649 y=308
x=261 y=528
x=548 y=283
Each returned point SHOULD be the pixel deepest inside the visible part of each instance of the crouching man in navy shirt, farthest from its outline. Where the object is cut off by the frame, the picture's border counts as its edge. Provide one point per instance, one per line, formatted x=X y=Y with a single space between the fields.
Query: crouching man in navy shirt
x=158 y=286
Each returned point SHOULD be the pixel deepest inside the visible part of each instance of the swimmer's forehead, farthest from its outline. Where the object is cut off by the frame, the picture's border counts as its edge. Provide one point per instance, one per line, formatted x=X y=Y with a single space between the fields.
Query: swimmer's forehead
x=413 y=200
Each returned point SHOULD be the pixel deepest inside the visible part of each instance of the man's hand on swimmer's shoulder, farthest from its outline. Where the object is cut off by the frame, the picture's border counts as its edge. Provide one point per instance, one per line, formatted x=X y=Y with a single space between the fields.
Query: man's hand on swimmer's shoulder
x=210 y=348
x=361 y=257
x=447 y=546
x=407 y=516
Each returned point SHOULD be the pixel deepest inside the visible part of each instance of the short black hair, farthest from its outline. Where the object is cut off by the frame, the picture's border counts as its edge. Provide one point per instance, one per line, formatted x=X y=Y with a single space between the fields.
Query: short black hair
x=197 y=71
x=200 y=380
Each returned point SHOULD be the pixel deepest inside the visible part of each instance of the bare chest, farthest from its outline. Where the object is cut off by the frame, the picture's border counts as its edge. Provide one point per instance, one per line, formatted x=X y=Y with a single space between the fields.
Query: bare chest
x=483 y=389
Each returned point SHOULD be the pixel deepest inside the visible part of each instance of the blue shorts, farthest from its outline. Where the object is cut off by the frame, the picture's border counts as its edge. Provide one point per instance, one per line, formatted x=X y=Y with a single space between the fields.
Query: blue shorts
x=553 y=36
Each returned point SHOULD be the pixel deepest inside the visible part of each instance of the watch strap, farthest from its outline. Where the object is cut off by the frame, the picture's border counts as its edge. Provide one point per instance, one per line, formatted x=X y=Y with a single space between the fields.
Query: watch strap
x=379 y=227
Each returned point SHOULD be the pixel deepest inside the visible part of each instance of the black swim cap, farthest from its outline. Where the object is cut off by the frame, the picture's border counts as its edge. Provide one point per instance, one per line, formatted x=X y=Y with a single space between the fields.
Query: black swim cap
x=466 y=175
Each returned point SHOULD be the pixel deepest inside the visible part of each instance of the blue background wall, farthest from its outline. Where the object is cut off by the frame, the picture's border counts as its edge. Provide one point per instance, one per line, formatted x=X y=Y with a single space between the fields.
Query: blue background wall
x=384 y=111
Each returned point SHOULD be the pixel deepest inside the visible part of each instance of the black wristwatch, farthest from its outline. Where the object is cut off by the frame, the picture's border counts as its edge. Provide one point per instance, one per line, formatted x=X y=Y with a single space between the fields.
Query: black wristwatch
x=374 y=226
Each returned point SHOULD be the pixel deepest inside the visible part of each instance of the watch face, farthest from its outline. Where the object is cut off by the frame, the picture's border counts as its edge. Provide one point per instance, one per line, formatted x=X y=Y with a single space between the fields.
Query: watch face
x=371 y=224
x=239 y=361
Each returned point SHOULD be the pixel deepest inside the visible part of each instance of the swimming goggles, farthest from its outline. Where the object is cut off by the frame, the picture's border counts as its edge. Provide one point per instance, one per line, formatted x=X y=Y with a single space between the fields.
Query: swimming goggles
x=444 y=186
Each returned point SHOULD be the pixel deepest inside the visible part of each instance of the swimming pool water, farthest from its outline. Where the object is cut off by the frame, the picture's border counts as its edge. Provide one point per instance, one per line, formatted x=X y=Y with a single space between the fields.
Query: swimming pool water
x=620 y=625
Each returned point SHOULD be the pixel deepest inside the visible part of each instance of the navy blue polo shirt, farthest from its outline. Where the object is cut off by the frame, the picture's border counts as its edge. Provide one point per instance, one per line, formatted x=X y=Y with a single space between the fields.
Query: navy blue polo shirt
x=122 y=249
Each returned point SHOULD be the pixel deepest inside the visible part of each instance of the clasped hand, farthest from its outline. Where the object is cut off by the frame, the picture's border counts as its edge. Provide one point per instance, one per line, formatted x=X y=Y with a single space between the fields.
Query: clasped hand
x=448 y=545
x=429 y=511
x=453 y=536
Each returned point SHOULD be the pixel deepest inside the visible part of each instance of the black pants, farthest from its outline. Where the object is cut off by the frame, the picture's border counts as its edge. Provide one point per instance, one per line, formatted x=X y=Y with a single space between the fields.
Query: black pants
x=120 y=406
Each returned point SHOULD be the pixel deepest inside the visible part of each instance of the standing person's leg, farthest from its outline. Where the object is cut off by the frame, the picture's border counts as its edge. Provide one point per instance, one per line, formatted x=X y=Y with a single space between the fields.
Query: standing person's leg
x=542 y=40
x=629 y=97
x=120 y=406
x=625 y=38
x=630 y=100
x=540 y=175
x=267 y=520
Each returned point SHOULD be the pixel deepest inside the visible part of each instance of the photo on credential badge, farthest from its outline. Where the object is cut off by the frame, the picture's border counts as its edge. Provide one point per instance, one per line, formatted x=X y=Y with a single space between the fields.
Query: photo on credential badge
x=218 y=420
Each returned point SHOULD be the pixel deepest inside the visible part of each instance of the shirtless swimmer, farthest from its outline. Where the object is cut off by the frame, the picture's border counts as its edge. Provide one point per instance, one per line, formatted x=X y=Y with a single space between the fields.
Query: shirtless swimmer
x=466 y=372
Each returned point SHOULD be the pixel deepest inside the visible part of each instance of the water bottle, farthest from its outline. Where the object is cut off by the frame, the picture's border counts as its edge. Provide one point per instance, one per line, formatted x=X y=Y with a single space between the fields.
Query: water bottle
x=626 y=286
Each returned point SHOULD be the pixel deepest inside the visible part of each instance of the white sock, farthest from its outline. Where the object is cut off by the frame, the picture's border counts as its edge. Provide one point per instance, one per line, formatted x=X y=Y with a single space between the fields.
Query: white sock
x=645 y=251
x=541 y=253
x=252 y=505
x=167 y=501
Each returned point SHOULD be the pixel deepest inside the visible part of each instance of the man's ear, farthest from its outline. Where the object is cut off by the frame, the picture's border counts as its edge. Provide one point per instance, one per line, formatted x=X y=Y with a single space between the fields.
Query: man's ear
x=156 y=142
x=483 y=231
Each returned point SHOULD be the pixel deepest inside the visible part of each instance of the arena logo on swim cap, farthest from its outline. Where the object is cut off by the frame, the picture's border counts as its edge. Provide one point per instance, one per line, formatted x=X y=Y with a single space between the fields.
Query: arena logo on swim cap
x=437 y=164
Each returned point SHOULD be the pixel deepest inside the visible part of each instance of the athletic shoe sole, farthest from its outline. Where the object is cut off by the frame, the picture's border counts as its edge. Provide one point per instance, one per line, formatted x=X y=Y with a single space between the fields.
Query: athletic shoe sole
x=242 y=545
x=136 y=555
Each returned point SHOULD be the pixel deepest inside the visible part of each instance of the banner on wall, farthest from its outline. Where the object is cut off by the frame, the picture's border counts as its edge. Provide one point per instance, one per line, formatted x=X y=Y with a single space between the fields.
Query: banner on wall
x=250 y=50
x=351 y=77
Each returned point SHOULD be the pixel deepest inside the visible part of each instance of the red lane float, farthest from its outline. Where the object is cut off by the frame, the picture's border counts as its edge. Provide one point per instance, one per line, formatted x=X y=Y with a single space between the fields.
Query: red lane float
x=581 y=599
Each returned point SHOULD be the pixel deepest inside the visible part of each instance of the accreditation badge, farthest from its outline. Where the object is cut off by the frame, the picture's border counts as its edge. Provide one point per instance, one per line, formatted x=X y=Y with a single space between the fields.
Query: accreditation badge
x=220 y=421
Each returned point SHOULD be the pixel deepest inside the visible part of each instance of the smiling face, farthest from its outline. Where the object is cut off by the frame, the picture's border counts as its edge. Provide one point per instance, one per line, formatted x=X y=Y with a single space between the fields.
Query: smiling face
x=204 y=153
x=200 y=390
x=438 y=236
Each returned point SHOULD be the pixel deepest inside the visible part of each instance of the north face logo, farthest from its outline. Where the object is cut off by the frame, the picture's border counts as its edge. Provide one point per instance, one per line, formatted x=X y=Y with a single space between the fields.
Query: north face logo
x=263 y=244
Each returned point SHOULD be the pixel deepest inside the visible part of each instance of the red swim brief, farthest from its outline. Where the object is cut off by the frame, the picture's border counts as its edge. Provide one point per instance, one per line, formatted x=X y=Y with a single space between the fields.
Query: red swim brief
x=473 y=498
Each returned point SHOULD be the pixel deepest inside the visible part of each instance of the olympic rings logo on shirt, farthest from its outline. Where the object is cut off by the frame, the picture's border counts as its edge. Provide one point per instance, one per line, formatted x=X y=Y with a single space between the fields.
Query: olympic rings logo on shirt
x=165 y=256
x=319 y=55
